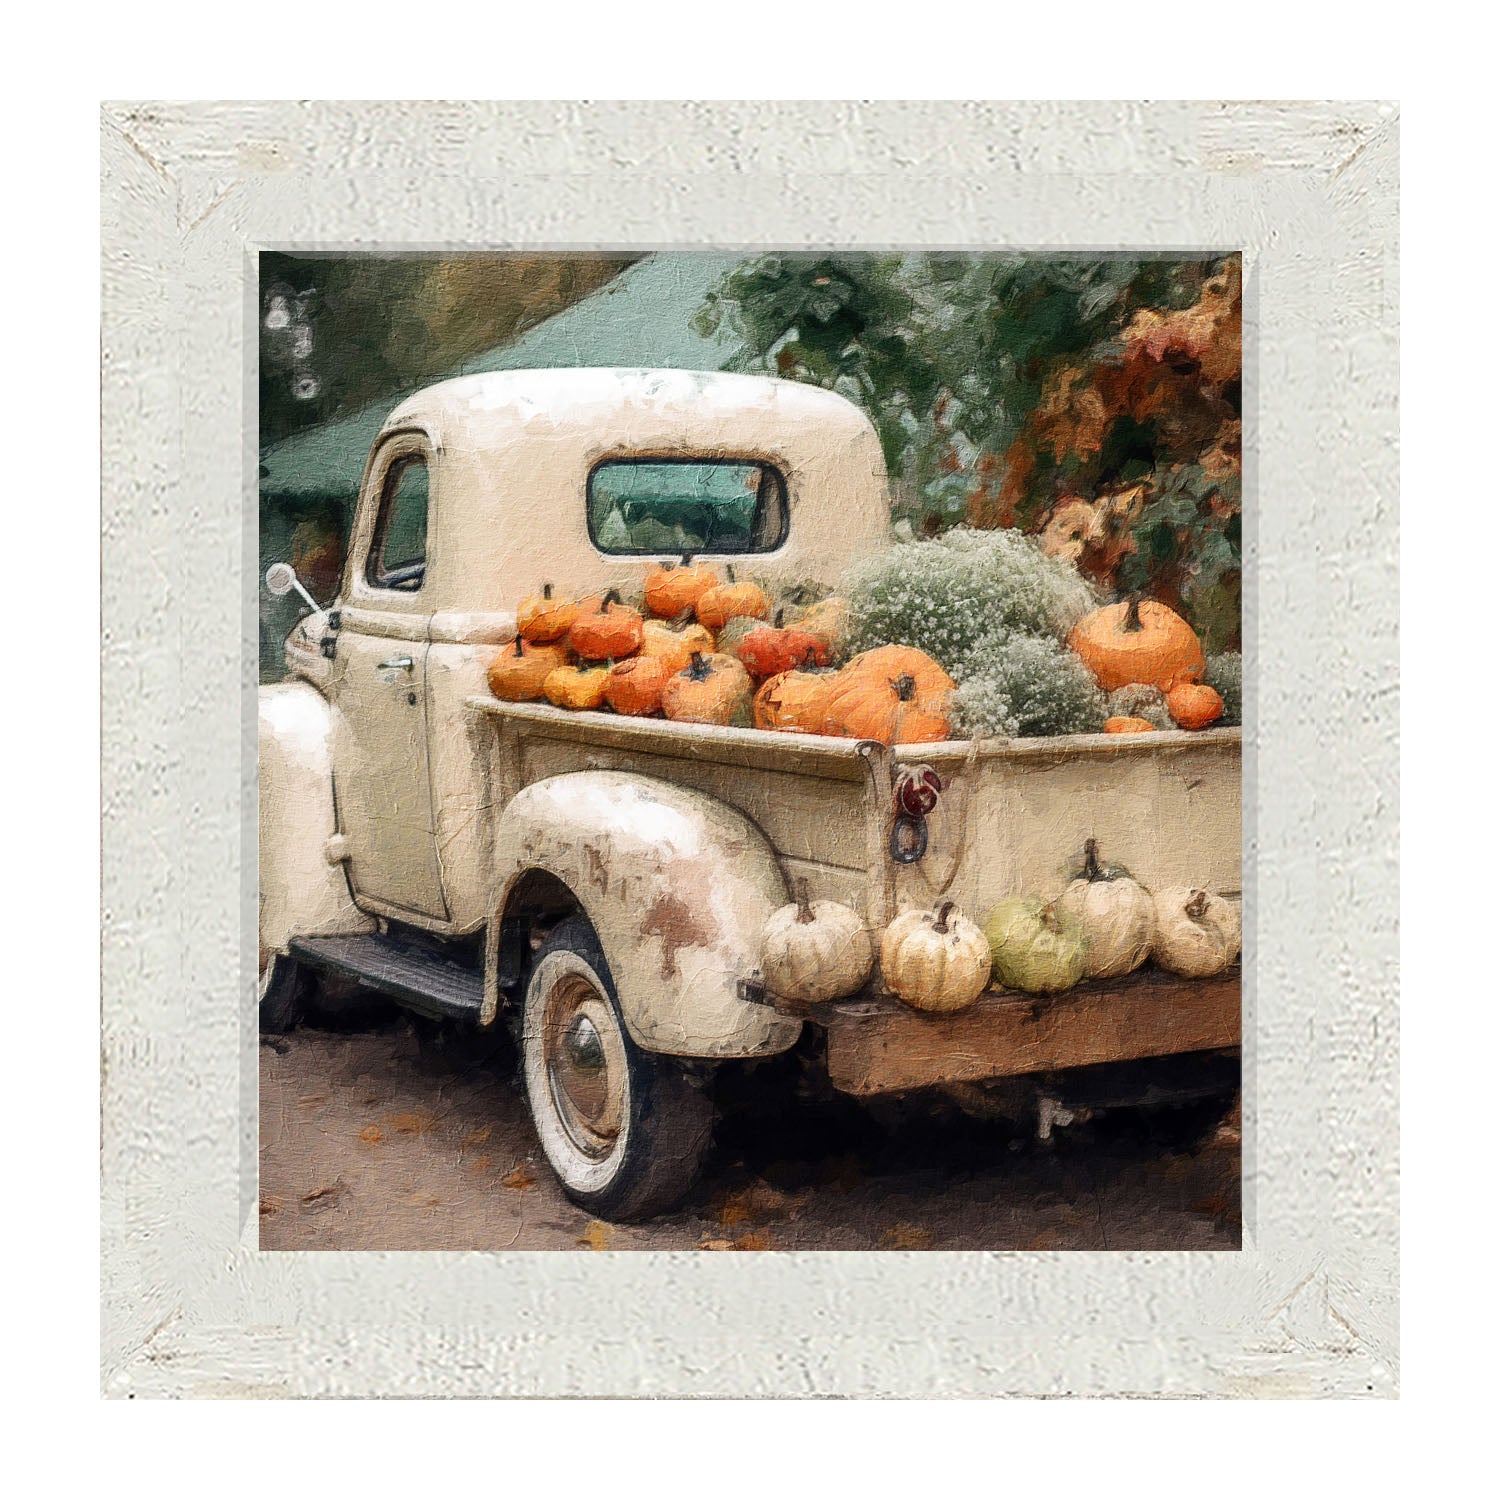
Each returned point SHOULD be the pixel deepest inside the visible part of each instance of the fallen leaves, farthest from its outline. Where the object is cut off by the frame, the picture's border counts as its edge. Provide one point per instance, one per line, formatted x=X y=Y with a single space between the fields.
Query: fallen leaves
x=908 y=1237
x=597 y=1235
x=521 y=1180
x=757 y=1239
x=479 y=1137
x=758 y=1199
x=324 y=1196
x=372 y=1134
x=413 y=1122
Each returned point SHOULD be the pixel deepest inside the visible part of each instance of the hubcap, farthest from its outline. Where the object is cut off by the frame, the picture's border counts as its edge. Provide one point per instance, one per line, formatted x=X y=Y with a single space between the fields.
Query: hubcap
x=586 y=1067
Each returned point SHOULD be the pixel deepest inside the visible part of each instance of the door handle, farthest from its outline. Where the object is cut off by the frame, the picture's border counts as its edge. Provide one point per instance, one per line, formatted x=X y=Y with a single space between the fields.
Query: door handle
x=396 y=664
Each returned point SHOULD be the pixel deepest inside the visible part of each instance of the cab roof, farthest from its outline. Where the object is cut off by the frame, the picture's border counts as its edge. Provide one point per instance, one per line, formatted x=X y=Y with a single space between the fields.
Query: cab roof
x=612 y=406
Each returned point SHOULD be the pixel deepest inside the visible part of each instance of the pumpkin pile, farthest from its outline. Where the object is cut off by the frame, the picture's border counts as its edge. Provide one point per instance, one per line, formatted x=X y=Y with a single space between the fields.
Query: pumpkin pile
x=1106 y=924
x=1143 y=649
x=1103 y=925
x=986 y=657
x=712 y=650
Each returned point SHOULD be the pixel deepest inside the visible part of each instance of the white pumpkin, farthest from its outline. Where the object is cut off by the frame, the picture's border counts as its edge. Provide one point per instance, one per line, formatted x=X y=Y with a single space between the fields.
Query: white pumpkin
x=816 y=950
x=1117 y=915
x=1197 y=933
x=935 y=960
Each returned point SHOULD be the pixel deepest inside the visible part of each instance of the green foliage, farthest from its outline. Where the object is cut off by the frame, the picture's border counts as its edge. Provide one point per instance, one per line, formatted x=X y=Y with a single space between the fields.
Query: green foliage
x=1225 y=675
x=1004 y=386
x=1191 y=527
x=947 y=595
x=947 y=353
x=1018 y=685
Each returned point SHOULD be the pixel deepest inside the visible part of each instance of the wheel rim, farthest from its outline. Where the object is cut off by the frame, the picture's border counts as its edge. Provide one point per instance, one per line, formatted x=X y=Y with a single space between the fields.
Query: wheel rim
x=586 y=1068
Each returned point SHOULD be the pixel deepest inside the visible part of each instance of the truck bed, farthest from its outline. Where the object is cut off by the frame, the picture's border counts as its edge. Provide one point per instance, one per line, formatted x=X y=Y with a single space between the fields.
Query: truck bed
x=1012 y=818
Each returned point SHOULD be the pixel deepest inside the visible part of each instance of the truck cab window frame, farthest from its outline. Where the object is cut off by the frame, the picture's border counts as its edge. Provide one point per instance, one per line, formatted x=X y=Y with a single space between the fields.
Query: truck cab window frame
x=655 y=512
x=402 y=573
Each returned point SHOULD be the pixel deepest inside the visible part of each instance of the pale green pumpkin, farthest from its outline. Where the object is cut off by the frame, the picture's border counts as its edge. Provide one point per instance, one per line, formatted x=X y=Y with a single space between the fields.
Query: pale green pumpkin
x=1034 y=946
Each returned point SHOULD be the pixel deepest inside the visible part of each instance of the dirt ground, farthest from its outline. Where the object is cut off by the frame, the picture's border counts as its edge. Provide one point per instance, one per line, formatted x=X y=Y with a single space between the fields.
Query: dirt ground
x=405 y=1136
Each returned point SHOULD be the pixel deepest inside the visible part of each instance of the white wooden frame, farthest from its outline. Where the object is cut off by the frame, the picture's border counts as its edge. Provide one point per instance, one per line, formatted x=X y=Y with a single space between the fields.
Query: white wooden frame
x=1307 y=191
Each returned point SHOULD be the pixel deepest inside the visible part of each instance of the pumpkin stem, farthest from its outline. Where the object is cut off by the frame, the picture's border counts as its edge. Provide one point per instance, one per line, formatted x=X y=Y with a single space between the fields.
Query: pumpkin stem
x=685 y=619
x=941 y=925
x=804 y=906
x=1091 y=860
x=546 y=591
x=1133 y=614
x=612 y=597
x=1049 y=916
x=698 y=669
x=1197 y=905
x=520 y=647
x=729 y=571
x=905 y=686
x=780 y=616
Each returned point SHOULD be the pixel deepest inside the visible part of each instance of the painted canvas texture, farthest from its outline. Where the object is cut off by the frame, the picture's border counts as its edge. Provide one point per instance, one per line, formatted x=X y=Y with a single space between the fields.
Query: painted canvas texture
x=750 y=751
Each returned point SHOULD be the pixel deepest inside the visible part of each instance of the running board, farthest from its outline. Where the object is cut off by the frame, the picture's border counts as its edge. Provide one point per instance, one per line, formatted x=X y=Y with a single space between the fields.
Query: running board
x=414 y=973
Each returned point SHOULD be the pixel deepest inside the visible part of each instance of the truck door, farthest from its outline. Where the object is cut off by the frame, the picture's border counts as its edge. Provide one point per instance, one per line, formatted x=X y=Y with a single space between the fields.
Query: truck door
x=381 y=774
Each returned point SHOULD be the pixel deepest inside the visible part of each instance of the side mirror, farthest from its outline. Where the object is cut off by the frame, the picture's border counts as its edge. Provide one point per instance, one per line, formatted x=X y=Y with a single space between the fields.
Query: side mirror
x=281 y=579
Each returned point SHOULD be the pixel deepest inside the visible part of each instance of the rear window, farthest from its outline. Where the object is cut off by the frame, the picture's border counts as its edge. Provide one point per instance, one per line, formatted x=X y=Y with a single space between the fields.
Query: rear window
x=653 y=505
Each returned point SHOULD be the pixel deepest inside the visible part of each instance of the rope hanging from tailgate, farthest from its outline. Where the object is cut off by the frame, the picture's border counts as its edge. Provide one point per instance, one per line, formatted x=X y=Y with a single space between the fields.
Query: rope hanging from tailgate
x=965 y=779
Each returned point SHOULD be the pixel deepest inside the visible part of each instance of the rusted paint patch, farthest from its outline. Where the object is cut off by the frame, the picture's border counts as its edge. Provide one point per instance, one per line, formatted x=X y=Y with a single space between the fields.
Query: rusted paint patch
x=675 y=923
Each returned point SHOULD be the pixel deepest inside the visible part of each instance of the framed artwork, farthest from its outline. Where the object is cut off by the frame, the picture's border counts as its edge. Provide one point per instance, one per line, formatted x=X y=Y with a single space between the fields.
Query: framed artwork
x=801 y=745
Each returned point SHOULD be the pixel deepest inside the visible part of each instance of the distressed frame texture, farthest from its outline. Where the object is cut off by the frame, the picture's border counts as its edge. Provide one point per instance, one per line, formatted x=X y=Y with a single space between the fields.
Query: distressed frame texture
x=191 y=192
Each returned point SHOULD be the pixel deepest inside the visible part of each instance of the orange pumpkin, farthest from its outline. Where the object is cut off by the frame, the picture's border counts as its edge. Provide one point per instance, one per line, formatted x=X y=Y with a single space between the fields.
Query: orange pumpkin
x=1194 y=705
x=728 y=601
x=634 y=687
x=793 y=700
x=713 y=690
x=895 y=694
x=675 y=647
x=672 y=587
x=608 y=629
x=519 y=671
x=768 y=650
x=542 y=618
x=1120 y=725
x=576 y=687
x=1140 y=641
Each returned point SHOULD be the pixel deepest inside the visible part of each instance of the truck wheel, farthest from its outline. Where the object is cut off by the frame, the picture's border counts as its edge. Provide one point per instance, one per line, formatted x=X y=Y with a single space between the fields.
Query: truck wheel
x=282 y=987
x=624 y=1130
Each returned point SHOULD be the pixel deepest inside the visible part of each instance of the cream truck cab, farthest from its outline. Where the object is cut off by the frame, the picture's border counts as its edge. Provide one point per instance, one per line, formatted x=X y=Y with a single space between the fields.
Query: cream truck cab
x=601 y=882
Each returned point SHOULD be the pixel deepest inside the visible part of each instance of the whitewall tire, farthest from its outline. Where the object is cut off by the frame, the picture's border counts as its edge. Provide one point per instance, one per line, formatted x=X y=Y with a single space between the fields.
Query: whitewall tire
x=624 y=1130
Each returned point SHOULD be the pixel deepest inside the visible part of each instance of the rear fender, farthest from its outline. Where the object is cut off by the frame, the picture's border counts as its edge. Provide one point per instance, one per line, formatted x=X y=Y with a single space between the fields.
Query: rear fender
x=302 y=894
x=678 y=887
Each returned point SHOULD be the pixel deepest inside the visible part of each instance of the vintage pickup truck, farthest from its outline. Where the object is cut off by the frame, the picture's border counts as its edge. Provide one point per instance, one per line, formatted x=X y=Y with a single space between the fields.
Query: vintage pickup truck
x=602 y=882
